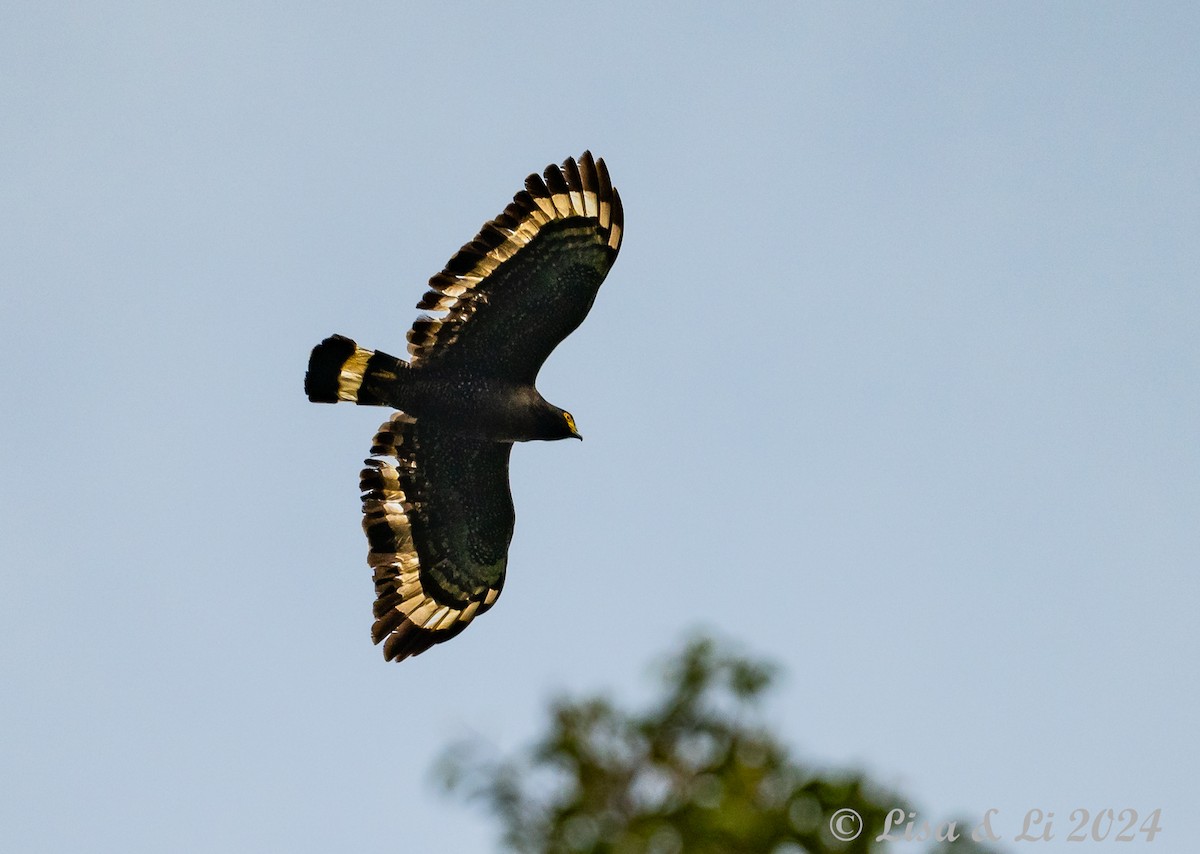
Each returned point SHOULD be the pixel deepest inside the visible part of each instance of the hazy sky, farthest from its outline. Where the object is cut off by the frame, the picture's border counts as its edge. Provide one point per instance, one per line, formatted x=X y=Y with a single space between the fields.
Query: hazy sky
x=894 y=382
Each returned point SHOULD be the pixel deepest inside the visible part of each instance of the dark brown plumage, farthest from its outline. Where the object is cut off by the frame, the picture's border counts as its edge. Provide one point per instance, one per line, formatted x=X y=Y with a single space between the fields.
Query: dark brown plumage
x=438 y=513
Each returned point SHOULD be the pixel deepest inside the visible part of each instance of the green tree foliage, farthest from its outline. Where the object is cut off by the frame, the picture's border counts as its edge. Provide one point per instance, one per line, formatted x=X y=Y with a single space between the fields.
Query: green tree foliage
x=696 y=772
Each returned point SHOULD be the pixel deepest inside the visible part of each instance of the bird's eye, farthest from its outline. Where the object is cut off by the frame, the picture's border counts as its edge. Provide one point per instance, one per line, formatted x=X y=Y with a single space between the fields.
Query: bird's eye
x=570 y=421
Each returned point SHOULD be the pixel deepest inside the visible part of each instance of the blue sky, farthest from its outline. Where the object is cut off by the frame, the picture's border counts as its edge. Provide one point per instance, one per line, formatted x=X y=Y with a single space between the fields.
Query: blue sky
x=894 y=382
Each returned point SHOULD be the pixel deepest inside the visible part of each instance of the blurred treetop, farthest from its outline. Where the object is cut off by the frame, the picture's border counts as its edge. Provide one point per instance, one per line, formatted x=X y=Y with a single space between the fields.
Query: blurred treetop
x=696 y=772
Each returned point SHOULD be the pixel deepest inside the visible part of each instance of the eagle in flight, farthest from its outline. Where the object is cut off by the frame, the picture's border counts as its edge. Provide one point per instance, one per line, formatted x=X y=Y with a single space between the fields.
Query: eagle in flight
x=437 y=508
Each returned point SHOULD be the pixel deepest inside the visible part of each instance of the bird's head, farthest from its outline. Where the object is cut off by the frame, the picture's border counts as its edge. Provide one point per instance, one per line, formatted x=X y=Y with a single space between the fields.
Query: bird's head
x=555 y=423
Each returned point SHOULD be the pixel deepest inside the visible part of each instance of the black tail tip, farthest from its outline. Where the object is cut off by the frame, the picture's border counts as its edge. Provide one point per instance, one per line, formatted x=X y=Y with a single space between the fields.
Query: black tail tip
x=325 y=366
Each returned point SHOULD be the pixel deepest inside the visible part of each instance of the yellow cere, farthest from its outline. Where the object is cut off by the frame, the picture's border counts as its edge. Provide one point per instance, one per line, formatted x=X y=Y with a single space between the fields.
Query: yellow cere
x=570 y=421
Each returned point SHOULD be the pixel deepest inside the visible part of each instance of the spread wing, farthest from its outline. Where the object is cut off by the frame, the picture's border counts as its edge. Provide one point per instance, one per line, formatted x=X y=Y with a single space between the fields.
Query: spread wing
x=438 y=516
x=528 y=278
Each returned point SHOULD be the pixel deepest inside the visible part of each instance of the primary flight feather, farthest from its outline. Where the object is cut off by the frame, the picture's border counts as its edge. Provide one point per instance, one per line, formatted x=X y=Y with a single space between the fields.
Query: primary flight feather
x=437 y=509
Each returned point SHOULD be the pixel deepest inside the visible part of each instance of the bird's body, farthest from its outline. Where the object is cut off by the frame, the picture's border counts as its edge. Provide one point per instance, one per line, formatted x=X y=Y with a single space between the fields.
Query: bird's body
x=482 y=407
x=437 y=508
